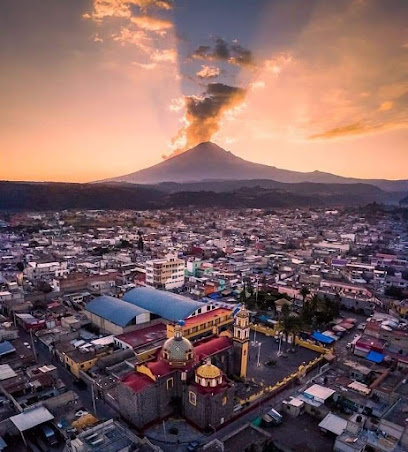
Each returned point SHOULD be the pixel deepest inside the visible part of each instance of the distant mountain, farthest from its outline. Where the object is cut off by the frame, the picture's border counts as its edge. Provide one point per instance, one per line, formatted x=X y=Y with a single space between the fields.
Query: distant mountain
x=228 y=194
x=404 y=202
x=207 y=162
x=60 y=196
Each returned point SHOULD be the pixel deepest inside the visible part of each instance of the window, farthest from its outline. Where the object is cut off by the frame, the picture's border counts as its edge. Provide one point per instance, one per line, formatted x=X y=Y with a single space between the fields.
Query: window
x=192 y=398
x=224 y=400
x=169 y=383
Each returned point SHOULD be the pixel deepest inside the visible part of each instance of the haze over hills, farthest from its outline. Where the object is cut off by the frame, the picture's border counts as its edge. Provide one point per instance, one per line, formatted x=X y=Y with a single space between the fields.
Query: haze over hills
x=35 y=196
x=208 y=161
x=205 y=176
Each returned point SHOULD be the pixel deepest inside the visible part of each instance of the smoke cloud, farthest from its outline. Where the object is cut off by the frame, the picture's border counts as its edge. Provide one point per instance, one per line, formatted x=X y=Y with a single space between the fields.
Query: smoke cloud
x=203 y=115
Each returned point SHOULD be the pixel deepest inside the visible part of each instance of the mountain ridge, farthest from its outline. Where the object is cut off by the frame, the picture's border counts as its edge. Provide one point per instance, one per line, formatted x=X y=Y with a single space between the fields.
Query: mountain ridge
x=36 y=196
x=208 y=161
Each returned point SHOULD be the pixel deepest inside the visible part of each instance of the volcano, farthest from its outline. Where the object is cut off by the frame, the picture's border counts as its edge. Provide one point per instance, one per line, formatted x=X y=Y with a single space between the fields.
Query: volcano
x=208 y=161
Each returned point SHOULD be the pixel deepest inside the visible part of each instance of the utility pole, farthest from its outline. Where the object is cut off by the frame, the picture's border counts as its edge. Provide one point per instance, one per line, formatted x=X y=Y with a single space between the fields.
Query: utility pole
x=259 y=354
x=164 y=431
x=33 y=345
x=93 y=398
x=254 y=341
x=280 y=344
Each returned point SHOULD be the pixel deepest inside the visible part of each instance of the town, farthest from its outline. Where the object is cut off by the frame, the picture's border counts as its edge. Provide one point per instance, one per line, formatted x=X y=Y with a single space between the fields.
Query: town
x=204 y=330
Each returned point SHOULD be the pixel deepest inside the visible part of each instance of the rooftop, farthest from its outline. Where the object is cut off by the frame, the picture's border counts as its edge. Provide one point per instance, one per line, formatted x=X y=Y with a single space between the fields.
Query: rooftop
x=208 y=347
x=207 y=316
x=137 y=382
x=167 y=305
x=115 y=310
x=144 y=336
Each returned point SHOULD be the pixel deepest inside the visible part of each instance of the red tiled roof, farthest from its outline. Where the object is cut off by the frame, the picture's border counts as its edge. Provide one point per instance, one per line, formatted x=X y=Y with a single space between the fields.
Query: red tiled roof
x=137 y=382
x=206 y=348
x=370 y=341
x=207 y=316
x=159 y=368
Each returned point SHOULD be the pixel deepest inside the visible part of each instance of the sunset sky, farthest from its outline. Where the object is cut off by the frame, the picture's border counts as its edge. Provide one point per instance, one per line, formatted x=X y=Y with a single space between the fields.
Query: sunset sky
x=91 y=89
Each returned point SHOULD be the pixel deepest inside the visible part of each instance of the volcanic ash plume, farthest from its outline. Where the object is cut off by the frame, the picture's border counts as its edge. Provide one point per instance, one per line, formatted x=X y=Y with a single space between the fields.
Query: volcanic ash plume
x=204 y=114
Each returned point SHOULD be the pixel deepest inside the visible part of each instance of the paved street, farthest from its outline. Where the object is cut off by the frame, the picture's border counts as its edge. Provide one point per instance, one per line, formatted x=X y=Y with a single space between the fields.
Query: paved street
x=103 y=411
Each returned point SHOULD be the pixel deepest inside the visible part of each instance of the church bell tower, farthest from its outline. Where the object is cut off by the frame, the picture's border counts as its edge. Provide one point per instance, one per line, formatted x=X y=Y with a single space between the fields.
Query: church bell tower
x=241 y=342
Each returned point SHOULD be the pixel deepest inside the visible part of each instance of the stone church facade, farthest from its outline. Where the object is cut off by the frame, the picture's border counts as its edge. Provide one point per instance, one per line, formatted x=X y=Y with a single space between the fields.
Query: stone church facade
x=186 y=379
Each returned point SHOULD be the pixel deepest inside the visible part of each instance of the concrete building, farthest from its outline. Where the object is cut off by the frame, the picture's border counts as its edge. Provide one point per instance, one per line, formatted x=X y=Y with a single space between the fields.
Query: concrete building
x=165 y=273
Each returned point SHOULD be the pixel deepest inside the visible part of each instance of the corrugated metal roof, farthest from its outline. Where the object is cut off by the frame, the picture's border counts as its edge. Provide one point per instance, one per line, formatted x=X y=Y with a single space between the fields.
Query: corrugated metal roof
x=167 y=305
x=333 y=424
x=6 y=347
x=375 y=357
x=115 y=310
x=6 y=372
x=31 y=418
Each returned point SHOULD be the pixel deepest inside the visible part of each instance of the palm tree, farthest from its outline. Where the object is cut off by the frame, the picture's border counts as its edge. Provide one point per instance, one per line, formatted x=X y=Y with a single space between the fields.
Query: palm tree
x=290 y=324
x=304 y=291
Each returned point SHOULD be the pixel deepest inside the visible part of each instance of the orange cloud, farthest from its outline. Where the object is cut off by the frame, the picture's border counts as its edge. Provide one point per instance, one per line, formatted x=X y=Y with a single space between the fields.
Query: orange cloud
x=122 y=8
x=385 y=106
x=208 y=72
x=138 y=38
x=358 y=128
x=166 y=55
x=151 y=23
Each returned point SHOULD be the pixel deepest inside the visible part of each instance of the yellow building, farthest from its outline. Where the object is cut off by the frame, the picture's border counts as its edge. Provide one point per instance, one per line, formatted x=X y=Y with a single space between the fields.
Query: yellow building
x=77 y=360
x=210 y=322
x=400 y=307
x=241 y=342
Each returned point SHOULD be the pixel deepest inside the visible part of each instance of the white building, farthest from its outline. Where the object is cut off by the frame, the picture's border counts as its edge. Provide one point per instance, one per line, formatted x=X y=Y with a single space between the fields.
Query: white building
x=45 y=271
x=165 y=273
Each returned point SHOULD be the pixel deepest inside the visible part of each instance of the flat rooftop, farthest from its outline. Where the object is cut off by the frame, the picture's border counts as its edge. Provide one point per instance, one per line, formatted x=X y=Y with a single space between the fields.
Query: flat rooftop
x=301 y=434
x=144 y=336
x=207 y=316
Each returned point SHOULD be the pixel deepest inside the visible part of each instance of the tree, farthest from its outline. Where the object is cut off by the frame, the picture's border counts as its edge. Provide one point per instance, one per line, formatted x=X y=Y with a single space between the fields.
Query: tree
x=394 y=292
x=242 y=296
x=304 y=291
x=124 y=244
x=290 y=324
x=44 y=287
x=140 y=244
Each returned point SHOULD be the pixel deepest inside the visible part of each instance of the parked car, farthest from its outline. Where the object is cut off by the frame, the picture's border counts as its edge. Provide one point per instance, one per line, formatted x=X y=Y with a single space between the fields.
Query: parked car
x=272 y=417
x=193 y=445
x=49 y=435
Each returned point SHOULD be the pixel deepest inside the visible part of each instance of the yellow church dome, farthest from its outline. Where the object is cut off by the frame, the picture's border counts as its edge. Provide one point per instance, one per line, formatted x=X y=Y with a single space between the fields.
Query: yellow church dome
x=208 y=371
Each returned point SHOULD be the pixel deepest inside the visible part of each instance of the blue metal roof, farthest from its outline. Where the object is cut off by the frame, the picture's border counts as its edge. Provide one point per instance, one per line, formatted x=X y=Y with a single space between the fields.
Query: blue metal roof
x=375 y=357
x=322 y=338
x=113 y=309
x=6 y=347
x=167 y=305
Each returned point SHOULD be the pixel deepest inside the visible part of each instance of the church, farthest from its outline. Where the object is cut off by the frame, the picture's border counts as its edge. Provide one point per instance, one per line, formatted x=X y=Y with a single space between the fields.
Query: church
x=188 y=379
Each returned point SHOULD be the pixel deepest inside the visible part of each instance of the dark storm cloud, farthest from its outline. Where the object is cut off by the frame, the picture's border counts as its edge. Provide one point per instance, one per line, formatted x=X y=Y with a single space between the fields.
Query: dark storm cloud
x=231 y=53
